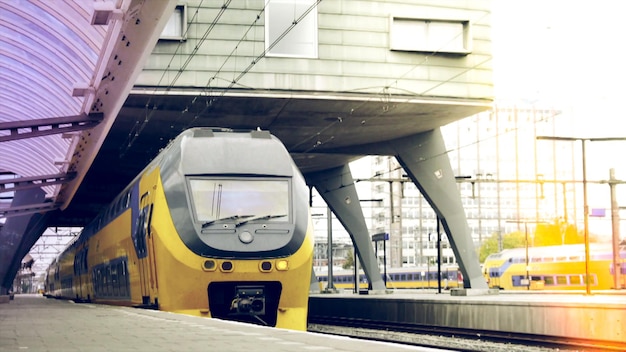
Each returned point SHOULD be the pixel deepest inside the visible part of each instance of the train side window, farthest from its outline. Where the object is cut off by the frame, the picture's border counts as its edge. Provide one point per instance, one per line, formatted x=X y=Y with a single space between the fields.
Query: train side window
x=114 y=281
x=107 y=278
x=548 y=280
x=125 y=279
x=575 y=280
x=84 y=263
x=403 y=277
x=561 y=280
x=97 y=281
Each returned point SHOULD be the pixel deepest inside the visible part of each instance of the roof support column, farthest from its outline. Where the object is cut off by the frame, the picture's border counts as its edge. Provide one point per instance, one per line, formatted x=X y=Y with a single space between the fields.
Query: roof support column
x=19 y=234
x=337 y=188
x=426 y=162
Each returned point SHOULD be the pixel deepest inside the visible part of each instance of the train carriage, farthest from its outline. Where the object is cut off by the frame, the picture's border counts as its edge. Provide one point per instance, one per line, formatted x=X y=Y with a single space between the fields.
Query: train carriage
x=218 y=225
x=400 y=278
x=553 y=268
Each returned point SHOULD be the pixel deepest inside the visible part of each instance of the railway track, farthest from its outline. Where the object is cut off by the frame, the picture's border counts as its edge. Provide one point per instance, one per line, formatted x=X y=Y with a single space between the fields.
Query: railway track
x=455 y=339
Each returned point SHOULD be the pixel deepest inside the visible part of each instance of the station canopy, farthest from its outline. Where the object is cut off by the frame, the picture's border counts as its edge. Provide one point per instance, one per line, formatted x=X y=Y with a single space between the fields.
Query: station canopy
x=55 y=57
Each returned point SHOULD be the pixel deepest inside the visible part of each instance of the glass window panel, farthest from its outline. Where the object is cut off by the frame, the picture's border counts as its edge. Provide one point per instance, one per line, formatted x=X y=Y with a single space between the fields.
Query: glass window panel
x=176 y=25
x=410 y=34
x=445 y=36
x=243 y=199
x=297 y=41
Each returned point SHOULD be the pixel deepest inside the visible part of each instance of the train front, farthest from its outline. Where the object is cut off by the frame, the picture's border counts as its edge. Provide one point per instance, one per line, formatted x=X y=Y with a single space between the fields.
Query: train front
x=240 y=207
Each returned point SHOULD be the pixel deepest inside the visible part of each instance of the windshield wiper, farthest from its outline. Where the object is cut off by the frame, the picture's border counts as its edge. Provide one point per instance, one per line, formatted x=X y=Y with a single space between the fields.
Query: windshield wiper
x=264 y=217
x=234 y=217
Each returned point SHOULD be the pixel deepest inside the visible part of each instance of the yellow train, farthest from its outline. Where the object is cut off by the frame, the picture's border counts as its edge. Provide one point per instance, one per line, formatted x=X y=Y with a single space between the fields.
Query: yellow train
x=399 y=278
x=554 y=268
x=217 y=225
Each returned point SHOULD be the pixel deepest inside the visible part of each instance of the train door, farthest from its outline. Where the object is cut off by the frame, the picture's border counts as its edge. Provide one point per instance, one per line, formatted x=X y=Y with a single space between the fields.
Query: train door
x=494 y=277
x=145 y=251
x=81 y=273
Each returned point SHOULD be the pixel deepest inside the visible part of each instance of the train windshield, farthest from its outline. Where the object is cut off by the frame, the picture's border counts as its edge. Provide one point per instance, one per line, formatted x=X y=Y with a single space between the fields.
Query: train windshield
x=240 y=200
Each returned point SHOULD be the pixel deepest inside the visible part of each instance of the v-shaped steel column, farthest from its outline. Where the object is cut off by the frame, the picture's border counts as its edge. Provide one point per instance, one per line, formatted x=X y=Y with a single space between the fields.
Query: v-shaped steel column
x=426 y=162
x=19 y=234
x=337 y=188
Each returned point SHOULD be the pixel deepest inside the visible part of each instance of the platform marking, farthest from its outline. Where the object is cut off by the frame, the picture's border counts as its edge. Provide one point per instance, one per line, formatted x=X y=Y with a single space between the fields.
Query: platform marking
x=290 y=343
x=318 y=348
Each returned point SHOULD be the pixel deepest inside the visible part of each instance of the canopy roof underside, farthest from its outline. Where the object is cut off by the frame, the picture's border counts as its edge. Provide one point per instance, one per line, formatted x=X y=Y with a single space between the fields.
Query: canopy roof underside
x=55 y=57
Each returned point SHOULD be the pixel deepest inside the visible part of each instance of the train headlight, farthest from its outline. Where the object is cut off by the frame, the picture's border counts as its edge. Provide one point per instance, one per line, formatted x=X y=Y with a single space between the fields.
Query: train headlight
x=209 y=265
x=226 y=267
x=282 y=265
x=245 y=237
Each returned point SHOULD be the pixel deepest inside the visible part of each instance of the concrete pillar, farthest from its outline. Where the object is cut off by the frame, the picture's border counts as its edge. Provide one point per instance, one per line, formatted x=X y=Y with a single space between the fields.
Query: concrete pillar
x=336 y=186
x=426 y=162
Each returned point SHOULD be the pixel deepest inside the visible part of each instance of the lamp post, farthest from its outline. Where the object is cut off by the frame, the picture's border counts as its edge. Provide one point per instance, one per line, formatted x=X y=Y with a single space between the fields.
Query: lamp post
x=525 y=222
x=585 y=204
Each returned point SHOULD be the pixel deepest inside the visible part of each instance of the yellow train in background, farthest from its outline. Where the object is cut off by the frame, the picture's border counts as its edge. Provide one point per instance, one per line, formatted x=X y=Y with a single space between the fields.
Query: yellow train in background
x=217 y=225
x=554 y=268
x=399 y=278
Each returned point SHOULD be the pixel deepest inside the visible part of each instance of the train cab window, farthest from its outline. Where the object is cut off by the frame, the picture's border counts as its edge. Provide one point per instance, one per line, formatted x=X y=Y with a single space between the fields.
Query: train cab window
x=239 y=200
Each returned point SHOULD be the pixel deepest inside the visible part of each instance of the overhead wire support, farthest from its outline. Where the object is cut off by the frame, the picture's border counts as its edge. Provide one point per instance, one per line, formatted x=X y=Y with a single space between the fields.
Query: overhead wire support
x=256 y=60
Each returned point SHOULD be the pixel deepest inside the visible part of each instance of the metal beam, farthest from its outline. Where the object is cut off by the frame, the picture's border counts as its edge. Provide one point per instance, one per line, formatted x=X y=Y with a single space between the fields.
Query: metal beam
x=18 y=183
x=28 y=209
x=44 y=127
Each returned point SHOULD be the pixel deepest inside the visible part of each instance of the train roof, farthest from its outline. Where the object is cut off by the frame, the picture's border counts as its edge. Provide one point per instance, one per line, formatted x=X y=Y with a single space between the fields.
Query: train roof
x=553 y=251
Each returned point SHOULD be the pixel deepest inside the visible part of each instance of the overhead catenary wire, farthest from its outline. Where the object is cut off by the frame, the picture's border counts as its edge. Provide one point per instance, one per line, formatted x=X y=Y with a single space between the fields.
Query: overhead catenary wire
x=213 y=93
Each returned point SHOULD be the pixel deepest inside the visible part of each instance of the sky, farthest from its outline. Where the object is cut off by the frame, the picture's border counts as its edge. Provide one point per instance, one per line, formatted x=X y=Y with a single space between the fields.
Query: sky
x=568 y=55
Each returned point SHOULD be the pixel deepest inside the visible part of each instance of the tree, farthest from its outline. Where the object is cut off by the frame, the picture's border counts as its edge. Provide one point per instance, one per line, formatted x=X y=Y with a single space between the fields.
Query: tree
x=556 y=233
x=511 y=240
x=349 y=263
x=541 y=234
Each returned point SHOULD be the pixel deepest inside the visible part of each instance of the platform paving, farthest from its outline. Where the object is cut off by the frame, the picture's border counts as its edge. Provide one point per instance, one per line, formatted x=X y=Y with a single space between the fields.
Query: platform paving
x=35 y=323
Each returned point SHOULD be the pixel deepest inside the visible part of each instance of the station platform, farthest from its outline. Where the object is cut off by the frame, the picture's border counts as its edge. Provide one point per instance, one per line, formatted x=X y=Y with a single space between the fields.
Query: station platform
x=600 y=316
x=35 y=323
